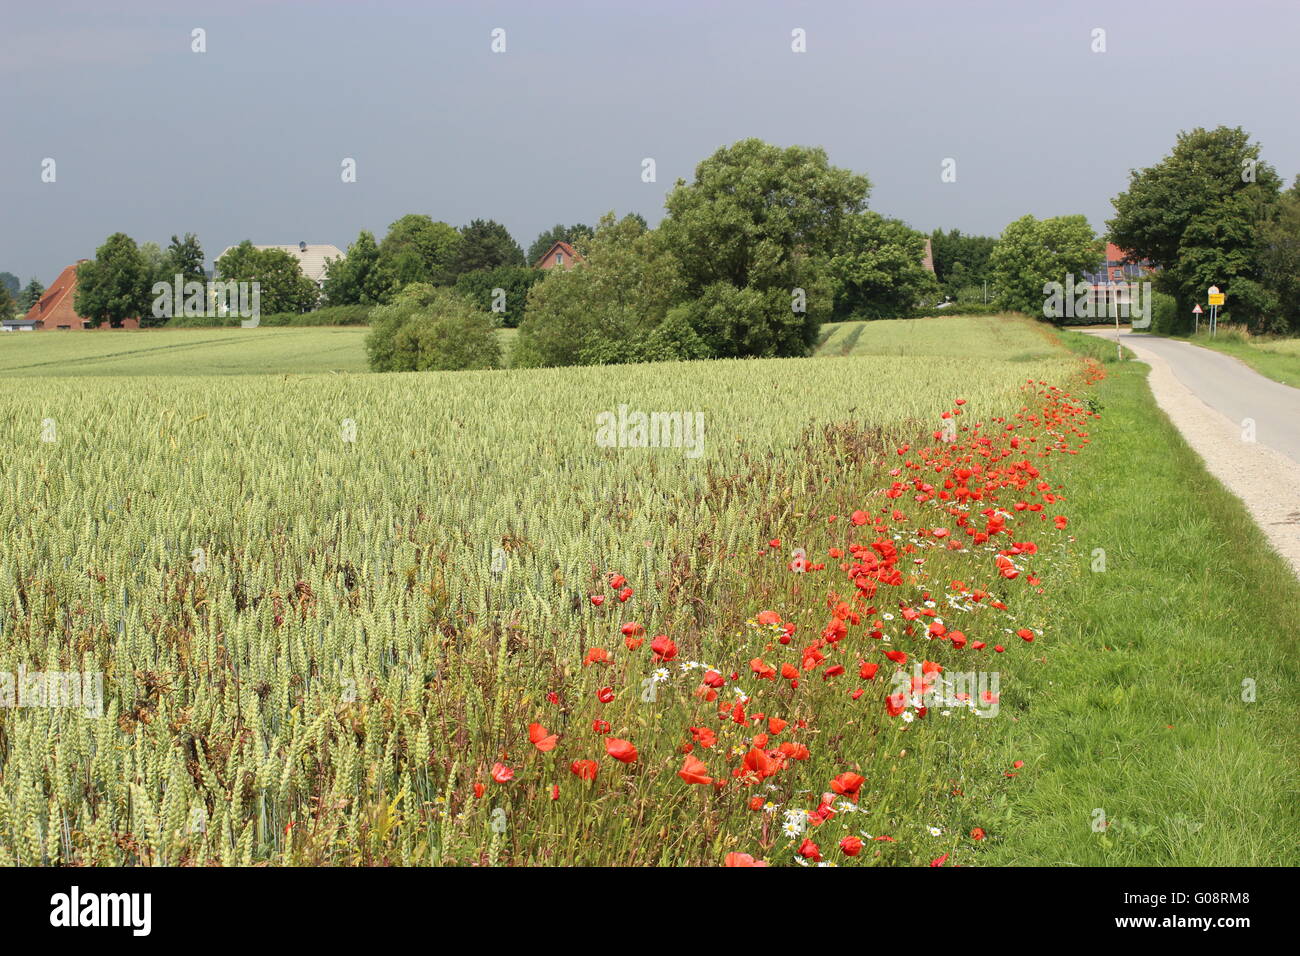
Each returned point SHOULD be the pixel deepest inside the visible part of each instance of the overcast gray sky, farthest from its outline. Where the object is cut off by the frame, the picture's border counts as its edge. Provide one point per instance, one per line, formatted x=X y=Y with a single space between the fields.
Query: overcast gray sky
x=246 y=140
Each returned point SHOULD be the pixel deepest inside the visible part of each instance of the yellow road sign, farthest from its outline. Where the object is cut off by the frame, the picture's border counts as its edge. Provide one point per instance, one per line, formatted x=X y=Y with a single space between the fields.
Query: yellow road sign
x=1216 y=299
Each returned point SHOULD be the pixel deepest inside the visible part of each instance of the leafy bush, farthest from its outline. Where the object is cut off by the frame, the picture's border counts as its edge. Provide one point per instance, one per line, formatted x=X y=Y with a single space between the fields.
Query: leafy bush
x=604 y=310
x=673 y=340
x=431 y=329
x=1165 y=319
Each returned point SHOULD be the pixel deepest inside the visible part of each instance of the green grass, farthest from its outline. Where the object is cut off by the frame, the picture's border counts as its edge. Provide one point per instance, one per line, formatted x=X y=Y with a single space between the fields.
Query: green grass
x=190 y=352
x=986 y=337
x=1278 y=359
x=1136 y=708
x=183 y=352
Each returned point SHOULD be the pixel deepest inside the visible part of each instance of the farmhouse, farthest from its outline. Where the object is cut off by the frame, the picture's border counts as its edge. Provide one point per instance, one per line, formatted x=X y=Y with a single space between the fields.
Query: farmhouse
x=559 y=256
x=54 y=309
x=312 y=258
x=1113 y=285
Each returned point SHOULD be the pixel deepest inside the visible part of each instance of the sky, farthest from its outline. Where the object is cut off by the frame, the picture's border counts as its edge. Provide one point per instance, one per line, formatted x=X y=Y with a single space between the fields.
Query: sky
x=248 y=139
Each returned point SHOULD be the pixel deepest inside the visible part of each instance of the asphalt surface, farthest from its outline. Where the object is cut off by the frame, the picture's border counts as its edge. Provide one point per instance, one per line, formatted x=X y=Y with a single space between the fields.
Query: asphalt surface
x=1230 y=387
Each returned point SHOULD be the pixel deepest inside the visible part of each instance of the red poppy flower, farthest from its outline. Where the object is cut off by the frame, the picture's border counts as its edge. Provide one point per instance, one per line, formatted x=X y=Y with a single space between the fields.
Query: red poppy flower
x=478 y=790
x=851 y=846
x=501 y=773
x=596 y=655
x=694 y=771
x=598 y=599
x=542 y=738
x=977 y=833
x=620 y=749
x=741 y=859
x=605 y=695
x=704 y=736
x=868 y=671
x=616 y=581
x=809 y=850
x=848 y=785
x=767 y=618
x=664 y=648
x=584 y=769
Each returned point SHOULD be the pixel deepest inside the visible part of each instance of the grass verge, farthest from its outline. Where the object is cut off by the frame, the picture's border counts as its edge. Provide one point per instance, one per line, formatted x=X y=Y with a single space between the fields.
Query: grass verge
x=1141 y=744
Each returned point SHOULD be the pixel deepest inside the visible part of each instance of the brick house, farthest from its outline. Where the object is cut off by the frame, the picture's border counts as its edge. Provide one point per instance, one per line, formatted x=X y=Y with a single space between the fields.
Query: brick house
x=54 y=309
x=1110 y=283
x=559 y=256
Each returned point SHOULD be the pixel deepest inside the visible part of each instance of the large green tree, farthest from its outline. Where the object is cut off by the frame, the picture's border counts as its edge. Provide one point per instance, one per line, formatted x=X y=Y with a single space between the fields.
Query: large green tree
x=574 y=235
x=961 y=262
x=486 y=244
x=878 y=270
x=751 y=234
x=282 y=286
x=1279 y=263
x=360 y=278
x=115 y=285
x=501 y=292
x=1197 y=215
x=417 y=249
x=1033 y=252
x=10 y=282
x=185 y=258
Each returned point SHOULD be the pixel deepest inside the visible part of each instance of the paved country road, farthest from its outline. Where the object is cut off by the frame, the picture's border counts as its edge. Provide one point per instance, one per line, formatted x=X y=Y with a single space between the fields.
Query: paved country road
x=1214 y=399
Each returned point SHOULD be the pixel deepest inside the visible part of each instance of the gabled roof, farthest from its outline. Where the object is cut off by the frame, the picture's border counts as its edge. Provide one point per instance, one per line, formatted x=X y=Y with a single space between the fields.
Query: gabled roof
x=568 y=250
x=310 y=260
x=54 y=307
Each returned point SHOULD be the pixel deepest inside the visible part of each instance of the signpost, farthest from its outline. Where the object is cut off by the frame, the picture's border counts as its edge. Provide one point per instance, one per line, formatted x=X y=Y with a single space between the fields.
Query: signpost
x=1119 y=349
x=1196 y=312
x=1216 y=300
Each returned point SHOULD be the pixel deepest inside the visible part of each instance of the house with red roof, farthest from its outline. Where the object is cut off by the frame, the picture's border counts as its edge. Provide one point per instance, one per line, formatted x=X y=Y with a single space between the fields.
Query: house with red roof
x=1110 y=283
x=55 y=309
x=559 y=256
